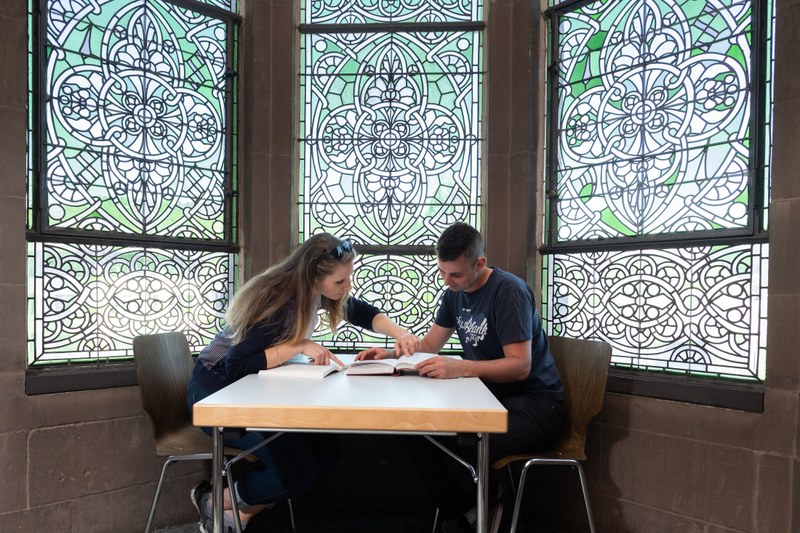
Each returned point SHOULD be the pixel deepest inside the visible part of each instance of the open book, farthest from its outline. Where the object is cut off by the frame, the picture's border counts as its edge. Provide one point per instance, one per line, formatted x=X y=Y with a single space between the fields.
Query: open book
x=300 y=367
x=404 y=364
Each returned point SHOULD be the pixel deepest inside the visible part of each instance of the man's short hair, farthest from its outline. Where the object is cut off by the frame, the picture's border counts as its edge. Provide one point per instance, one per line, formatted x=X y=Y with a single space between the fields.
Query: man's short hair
x=457 y=240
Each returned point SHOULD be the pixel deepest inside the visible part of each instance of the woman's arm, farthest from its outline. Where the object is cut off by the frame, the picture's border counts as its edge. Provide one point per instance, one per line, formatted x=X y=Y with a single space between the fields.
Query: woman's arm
x=406 y=342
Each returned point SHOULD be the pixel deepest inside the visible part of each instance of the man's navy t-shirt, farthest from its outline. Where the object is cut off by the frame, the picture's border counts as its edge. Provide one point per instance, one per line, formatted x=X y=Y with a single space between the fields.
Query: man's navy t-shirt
x=501 y=312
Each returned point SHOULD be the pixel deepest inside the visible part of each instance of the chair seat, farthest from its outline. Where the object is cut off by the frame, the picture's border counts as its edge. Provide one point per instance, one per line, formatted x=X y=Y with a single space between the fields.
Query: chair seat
x=190 y=440
x=567 y=451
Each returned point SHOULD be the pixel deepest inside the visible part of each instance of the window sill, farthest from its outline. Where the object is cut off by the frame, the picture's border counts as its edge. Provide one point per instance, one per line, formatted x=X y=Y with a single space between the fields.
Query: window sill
x=49 y=380
x=717 y=393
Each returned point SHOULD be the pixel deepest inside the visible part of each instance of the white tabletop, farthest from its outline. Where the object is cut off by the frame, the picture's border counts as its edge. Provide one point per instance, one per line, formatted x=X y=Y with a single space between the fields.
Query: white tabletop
x=358 y=403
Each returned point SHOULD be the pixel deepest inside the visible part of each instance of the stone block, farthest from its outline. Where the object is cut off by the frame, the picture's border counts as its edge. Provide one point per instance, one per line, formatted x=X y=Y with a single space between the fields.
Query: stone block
x=689 y=478
x=54 y=517
x=613 y=515
x=13 y=131
x=499 y=81
x=126 y=510
x=787 y=81
x=13 y=316
x=47 y=410
x=13 y=9
x=784 y=255
x=13 y=467
x=783 y=342
x=773 y=505
x=773 y=430
x=74 y=461
x=785 y=158
x=282 y=82
x=14 y=70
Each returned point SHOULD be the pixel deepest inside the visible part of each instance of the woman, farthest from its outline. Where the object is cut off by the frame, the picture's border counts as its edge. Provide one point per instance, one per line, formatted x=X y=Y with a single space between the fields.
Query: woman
x=270 y=320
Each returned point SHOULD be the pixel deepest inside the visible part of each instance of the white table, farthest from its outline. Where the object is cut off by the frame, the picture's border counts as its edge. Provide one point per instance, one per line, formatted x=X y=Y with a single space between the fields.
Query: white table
x=357 y=404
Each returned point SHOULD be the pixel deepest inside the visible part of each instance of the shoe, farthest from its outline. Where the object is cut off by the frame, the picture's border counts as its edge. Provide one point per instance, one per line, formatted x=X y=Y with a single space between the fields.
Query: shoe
x=200 y=495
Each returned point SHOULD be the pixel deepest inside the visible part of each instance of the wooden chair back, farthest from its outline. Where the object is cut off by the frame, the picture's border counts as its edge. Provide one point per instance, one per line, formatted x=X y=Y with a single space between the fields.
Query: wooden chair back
x=163 y=367
x=583 y=365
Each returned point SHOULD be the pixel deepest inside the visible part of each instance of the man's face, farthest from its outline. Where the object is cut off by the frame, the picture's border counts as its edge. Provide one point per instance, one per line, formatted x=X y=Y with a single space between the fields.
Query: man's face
x=460 y=275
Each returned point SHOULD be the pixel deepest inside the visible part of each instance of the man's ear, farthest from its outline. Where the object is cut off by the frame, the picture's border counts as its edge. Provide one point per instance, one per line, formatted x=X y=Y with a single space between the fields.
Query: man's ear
x=480 y=263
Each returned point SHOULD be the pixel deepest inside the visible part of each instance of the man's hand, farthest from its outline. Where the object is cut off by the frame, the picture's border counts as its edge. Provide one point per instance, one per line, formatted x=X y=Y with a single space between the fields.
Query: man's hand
x=441 y=367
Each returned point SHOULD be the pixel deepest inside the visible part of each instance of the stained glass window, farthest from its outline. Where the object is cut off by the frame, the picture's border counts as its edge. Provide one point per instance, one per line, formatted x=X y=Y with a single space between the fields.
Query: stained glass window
x=391 y=103
x=132 y=174
x=658 y=182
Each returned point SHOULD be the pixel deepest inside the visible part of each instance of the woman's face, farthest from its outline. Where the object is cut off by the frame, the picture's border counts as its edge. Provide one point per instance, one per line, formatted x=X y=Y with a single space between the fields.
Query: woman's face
x=337 y=284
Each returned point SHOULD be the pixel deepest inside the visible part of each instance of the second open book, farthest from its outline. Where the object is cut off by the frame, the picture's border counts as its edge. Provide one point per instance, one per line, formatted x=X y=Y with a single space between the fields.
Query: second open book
x=300 y=367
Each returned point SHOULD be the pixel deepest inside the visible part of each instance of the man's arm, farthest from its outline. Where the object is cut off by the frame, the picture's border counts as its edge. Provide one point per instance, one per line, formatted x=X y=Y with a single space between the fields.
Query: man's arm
x=435 y=339
x=515 y=365
x=432 y=343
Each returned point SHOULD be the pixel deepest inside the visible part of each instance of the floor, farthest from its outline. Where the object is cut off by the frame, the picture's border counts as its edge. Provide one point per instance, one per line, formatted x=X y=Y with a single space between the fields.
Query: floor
x=277 y=521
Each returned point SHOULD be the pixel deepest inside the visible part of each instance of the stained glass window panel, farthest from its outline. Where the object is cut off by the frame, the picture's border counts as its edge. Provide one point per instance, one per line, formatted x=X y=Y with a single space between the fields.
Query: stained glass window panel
x=391 y=122
x=653 y=119
x=384 y=11
x=133 y=145
x=228 y=5
x=135 y=110
x=407 y=288
x=88 y=302
x=391 y=142
x=690 y=310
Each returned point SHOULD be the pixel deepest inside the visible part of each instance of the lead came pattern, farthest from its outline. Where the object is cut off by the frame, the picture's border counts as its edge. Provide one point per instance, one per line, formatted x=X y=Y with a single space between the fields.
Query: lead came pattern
x=654 y=106
x=391 y=149
x=135 y=103
x=135 y=125
x=91 y=301
x=690 y=309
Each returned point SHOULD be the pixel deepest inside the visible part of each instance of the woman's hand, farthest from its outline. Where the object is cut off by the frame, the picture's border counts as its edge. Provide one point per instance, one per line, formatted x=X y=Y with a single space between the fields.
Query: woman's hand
x=407 y=344
x=319 y=354
x=375 y=353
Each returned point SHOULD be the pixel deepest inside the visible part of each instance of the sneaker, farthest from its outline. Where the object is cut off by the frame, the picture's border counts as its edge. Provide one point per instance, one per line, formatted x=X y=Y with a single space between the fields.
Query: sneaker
x=200 y=495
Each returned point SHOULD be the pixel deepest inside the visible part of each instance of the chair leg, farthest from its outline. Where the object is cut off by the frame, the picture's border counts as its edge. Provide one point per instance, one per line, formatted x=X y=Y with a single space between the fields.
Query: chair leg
x=518 y=500
x=555 y=462
x=232 y=486
x=152 y=514
x=171 y=459
x=585 y=491
x=291 y=515
x=435 y=520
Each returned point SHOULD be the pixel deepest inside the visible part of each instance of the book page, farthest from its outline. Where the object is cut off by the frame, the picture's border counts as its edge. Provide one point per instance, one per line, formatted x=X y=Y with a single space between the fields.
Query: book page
x=300 y=367
x=387 y=366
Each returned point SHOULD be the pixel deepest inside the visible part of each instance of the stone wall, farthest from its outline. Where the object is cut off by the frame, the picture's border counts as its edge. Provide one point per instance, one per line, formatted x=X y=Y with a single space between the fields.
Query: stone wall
x=84 y=461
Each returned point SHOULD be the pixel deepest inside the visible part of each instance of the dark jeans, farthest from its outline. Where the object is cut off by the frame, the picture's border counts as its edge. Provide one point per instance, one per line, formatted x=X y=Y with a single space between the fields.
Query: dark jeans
x=534 y=423
x=292 y=463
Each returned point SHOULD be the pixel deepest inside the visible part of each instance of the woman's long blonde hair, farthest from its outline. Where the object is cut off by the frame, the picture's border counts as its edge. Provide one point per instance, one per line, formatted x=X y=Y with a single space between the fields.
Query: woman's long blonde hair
x=291 y=279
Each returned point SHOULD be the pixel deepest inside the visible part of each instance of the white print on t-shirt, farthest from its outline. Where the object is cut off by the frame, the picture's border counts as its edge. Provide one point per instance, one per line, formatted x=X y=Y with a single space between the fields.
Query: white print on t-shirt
x=474 y=331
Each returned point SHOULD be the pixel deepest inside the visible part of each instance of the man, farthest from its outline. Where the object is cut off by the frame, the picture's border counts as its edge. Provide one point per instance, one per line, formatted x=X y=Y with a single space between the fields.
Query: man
x=494 y=314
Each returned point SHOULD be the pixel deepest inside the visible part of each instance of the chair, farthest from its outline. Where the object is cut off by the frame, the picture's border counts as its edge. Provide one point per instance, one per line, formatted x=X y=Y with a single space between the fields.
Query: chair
x=163 y=367
x=583 y=365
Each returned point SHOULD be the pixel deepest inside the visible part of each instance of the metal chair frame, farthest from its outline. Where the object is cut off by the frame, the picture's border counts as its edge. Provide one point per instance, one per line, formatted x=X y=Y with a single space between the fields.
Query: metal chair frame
x=583 y=365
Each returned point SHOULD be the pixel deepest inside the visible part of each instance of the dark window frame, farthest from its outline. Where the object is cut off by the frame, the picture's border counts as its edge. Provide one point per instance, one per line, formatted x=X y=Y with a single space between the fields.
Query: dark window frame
x=720 y=392
x=69 y=377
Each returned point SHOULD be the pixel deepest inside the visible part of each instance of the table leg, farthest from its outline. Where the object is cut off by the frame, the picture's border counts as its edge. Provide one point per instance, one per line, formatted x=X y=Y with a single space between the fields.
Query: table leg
x=483 y=476
x=217 y=465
